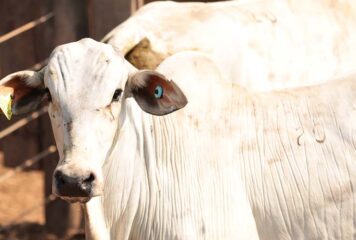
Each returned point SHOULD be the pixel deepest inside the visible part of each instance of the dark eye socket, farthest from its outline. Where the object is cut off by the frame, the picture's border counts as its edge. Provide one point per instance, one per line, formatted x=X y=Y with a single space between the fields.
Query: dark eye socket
x=117 y=95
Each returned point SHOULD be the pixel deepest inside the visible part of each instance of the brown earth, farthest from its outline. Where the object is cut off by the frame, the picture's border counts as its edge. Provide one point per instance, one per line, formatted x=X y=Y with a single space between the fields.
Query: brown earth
x=22 y=207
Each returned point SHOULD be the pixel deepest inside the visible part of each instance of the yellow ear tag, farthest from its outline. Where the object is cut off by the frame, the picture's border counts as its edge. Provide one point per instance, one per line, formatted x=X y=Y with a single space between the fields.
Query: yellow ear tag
x=6 y=101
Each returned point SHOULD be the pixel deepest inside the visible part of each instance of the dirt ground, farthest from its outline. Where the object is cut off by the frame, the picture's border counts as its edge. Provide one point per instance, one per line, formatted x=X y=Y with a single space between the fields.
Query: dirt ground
x=19 y=193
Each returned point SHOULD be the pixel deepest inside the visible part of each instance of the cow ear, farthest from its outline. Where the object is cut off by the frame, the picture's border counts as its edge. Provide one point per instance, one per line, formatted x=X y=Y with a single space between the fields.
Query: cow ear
x=154 y=93
x=21 y=92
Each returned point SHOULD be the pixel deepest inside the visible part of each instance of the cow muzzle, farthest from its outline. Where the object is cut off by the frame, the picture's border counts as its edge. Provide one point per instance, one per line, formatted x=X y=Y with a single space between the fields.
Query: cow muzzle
x=76 y=187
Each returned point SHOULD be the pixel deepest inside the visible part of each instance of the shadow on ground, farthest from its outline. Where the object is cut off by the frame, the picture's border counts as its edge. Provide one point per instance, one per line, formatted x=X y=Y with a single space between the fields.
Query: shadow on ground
x=32 y=231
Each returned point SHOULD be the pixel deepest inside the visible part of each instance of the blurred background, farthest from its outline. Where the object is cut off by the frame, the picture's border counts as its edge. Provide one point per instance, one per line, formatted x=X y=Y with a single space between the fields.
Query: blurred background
x=29 y=31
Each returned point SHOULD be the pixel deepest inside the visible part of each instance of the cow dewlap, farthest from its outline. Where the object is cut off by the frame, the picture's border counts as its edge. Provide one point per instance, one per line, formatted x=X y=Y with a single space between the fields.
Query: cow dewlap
x=6 y=101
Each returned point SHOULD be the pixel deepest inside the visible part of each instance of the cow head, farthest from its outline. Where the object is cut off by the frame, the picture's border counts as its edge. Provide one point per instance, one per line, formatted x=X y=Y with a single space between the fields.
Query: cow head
x=90 y=89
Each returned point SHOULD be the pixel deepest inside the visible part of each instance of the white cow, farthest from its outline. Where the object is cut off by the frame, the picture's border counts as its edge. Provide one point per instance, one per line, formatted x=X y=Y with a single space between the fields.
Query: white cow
x=288 y=157
x=145 y=182
x=262 y=45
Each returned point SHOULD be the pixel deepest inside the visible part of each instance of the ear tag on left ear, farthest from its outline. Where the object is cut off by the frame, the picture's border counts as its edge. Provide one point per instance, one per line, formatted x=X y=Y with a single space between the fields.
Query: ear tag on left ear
x=6 y=101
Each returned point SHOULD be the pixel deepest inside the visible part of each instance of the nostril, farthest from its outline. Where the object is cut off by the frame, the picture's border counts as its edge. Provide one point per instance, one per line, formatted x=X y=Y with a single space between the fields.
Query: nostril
x=59 y=178
x=72 y=184
x=89 y=179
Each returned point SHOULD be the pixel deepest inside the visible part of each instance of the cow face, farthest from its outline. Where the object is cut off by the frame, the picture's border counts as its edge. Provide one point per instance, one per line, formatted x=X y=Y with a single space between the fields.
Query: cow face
x=87 y=85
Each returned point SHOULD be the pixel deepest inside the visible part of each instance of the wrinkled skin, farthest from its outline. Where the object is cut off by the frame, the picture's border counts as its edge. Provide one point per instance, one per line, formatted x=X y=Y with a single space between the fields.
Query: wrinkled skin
x=107 y=138
x=286 y=157
x=128 y=167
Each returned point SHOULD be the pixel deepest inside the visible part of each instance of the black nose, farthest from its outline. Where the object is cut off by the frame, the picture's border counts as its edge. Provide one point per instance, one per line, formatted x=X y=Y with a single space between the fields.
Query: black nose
x=74 y=186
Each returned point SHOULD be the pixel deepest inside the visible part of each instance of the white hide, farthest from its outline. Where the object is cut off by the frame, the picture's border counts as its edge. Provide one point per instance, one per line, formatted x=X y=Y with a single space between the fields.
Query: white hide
x=200 y=173
x=262 y=45
x=296 y=149
x=160 y=180
x=230 y=165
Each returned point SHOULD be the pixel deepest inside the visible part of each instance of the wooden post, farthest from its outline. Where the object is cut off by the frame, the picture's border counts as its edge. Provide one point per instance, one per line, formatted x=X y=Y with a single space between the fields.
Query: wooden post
x=104 y=15
x=71 y=20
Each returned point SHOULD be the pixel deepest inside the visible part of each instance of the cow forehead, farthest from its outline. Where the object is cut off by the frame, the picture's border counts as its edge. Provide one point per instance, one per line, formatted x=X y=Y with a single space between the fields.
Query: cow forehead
x=85 y=73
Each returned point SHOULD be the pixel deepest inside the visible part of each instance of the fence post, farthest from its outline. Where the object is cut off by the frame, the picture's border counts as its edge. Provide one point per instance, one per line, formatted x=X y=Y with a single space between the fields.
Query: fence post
x=104 y=15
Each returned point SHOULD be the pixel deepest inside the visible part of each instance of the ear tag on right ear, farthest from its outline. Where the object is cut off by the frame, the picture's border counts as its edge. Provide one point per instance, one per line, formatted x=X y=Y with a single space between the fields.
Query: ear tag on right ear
x=158 y=92
x=6 y=101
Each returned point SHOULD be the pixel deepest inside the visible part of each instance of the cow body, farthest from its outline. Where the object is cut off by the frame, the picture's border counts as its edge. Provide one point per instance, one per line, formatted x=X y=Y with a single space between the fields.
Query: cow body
x=164 y=183
x=261 y=45
x=186 y=175
x=230 y=165
x=295 y=148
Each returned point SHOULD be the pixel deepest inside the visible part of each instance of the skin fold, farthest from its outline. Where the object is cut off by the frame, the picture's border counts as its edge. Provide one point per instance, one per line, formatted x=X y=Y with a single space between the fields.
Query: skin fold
x=231 y=164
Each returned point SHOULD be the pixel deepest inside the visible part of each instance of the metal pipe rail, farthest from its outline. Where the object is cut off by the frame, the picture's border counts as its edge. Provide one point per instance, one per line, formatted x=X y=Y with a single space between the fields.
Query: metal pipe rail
x=28 y=163
x=22 y=122
x=27 y=211
x=26 y=27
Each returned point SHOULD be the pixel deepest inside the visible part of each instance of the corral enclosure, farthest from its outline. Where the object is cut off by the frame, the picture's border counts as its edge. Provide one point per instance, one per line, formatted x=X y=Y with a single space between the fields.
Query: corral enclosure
x=29 y=31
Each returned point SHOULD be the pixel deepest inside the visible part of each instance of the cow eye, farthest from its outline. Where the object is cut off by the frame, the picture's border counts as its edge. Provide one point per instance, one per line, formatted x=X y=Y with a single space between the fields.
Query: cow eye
x=117 y=95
